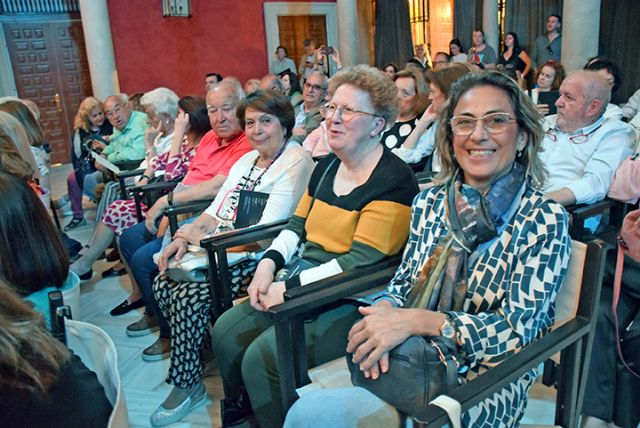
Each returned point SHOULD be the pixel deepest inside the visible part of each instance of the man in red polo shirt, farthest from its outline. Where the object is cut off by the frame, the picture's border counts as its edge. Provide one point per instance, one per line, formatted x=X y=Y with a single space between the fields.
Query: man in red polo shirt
x=219 y=149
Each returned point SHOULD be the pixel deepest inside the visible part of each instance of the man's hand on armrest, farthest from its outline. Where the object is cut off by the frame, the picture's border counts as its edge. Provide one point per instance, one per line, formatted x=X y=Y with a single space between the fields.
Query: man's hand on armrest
x=563 y=196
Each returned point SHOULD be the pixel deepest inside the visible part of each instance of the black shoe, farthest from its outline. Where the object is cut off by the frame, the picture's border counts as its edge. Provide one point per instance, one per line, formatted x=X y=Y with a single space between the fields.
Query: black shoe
x=235 y=410
x=86 y=276
x=125 y=307
x=112 y=271
x=75 y=222
x=113 y=256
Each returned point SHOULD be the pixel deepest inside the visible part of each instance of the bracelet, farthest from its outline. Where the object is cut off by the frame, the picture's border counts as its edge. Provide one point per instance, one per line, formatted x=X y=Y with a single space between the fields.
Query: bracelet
x=145 y=176
x=170 y=198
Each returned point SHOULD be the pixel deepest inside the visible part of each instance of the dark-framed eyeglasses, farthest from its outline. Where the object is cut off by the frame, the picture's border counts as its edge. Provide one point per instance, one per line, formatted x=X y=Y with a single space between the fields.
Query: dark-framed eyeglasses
x=580 y=138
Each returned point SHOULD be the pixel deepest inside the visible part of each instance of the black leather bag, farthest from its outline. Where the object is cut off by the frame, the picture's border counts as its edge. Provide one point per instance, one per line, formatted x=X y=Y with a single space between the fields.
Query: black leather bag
x=420 y=369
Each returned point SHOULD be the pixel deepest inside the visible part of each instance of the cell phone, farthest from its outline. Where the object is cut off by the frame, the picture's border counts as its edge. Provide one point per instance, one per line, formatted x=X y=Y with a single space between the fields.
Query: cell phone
x=549 y=98
x=329 y=50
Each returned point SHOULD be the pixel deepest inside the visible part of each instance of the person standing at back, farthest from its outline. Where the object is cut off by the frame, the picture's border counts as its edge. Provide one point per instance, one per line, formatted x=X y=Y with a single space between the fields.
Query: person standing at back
x=549 y=45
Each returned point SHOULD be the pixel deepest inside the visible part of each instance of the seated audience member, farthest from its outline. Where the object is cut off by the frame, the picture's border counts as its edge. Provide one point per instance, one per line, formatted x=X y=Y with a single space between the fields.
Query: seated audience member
x=581 y=148
x=422 y=141
x=185 y=130
x=421 y=57
x=281 y=62
x=367 y=191
x=631 y=108
x=291 y=87
x=502 y=274
x=481 y=54
x=390 y=70
x=39 y=146
x=413 y=95
x=456 y=51
x=271 y=81
x=610 y=71
x=251 y=86
x=127 y=141
x=210 y=80
x=277 y=167
x=308 y=116
x=33 y=260
x=611 y=392
x=440 y=60
x=42 y=382
x=550 y=77
x=15 y=134
x=89 y=125
x=218 y=150
x=160 y=107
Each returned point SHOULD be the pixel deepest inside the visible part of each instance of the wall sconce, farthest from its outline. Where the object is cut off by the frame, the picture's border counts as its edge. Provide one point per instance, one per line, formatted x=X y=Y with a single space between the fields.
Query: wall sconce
x=180 y=8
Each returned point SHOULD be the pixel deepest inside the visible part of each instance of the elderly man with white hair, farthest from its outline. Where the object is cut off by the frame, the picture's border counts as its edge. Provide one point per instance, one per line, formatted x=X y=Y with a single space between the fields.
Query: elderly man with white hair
x=582 y=149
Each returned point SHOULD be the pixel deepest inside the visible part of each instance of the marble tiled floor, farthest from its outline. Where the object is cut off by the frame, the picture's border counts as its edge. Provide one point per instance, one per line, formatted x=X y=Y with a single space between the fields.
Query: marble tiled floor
x=143 y=382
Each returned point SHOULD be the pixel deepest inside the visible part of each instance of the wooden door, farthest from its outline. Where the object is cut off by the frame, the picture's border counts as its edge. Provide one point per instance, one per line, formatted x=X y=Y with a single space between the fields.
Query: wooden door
x=50 y=67
x=295 y=29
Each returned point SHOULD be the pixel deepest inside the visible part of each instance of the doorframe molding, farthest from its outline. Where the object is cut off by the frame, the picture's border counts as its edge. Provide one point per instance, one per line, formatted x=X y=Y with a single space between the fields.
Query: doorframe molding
x=274 y=9
x=7 y=80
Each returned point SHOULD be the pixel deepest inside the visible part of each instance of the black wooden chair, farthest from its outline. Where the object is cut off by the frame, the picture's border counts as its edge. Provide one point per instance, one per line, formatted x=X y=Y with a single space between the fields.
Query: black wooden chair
x=615 y=211
x=573 y=339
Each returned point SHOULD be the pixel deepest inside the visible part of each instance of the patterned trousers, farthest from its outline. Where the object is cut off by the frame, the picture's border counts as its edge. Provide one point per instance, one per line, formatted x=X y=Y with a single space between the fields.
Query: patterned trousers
x=187 y=308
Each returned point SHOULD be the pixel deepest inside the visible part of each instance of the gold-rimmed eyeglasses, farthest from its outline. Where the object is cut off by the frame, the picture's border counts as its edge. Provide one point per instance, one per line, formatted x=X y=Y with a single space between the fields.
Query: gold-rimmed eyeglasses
x=493 y=123
x=347 y=113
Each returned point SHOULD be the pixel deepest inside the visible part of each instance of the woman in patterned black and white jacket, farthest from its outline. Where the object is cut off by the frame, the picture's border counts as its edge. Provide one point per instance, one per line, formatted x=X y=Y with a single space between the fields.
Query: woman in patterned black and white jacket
x=505 y=249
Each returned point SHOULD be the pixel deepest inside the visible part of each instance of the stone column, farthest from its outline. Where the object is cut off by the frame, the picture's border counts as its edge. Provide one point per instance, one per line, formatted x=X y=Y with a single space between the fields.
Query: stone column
x=490 y=23
x=347 y=32
x=99 y=47
x=580 y=32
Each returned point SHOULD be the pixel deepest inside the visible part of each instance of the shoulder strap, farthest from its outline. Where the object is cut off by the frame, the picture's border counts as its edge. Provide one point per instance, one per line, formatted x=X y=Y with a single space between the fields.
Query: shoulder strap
x=313 y=200
x=617 y=284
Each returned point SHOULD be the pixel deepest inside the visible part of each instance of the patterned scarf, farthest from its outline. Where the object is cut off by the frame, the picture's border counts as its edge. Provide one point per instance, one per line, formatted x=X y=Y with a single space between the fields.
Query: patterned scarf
x=473 y=220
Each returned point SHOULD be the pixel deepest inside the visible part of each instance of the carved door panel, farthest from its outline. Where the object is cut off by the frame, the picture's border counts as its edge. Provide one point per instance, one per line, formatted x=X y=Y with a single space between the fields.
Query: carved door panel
x=50 y=67
x=295 y=29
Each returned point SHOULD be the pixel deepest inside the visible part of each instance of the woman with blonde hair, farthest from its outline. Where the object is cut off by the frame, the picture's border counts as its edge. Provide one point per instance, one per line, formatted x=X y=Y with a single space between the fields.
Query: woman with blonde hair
x=41 y=382
x=89 y=125
x=413 y=96
x=39 y=147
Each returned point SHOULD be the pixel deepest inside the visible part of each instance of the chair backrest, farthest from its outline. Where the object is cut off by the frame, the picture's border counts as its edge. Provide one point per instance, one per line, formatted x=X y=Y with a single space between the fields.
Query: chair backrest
x=569 y=296
x=98 y=352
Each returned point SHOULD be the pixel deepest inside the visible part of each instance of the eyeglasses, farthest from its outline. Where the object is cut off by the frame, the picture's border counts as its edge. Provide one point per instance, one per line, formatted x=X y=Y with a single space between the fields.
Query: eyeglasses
x=115 y=110
x=575 y=139
x=314 y=87
x=493 y=123
x=549 y=50
x=405 y=94
x=347 y=113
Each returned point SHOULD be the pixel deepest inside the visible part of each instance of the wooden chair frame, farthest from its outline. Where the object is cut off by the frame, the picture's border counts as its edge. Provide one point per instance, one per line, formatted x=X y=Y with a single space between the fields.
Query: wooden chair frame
x=573 y=339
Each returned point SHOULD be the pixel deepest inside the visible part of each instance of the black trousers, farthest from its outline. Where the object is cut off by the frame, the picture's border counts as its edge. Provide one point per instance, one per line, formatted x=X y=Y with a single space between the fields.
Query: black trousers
x=611 y=390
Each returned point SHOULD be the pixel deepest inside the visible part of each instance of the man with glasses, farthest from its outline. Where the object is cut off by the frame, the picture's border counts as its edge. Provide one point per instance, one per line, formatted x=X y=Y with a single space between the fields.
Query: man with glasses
x=581 y=148
x=127 y=141
x=308 y=115
x=218 y=150
x=548 y=46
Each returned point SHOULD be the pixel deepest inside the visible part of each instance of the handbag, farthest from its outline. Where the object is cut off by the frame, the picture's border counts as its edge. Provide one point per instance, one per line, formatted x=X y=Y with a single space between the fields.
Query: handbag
x=194 y=265
x=420 y=369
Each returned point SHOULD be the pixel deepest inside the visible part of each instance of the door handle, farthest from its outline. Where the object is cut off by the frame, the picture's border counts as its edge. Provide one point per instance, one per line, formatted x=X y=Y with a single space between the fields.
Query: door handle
x=58 y=102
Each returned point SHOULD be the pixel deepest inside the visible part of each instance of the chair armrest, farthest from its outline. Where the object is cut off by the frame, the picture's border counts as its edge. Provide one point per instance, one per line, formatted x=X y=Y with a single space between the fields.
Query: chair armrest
x=160 y=185
x=130 y=173
x=187 y=207
x=580 y=212
x=216 y=247
x=318 y=286
x=471 y=393
x=245 y=235
x=128 y=164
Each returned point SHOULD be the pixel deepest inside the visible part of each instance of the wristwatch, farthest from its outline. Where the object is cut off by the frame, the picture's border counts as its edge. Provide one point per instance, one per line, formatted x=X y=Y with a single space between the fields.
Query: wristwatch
x=170 y=198
x=448 y=329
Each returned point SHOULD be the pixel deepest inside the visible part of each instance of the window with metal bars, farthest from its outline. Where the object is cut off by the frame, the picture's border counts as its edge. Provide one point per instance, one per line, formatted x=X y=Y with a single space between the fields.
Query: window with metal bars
x=38 y=6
